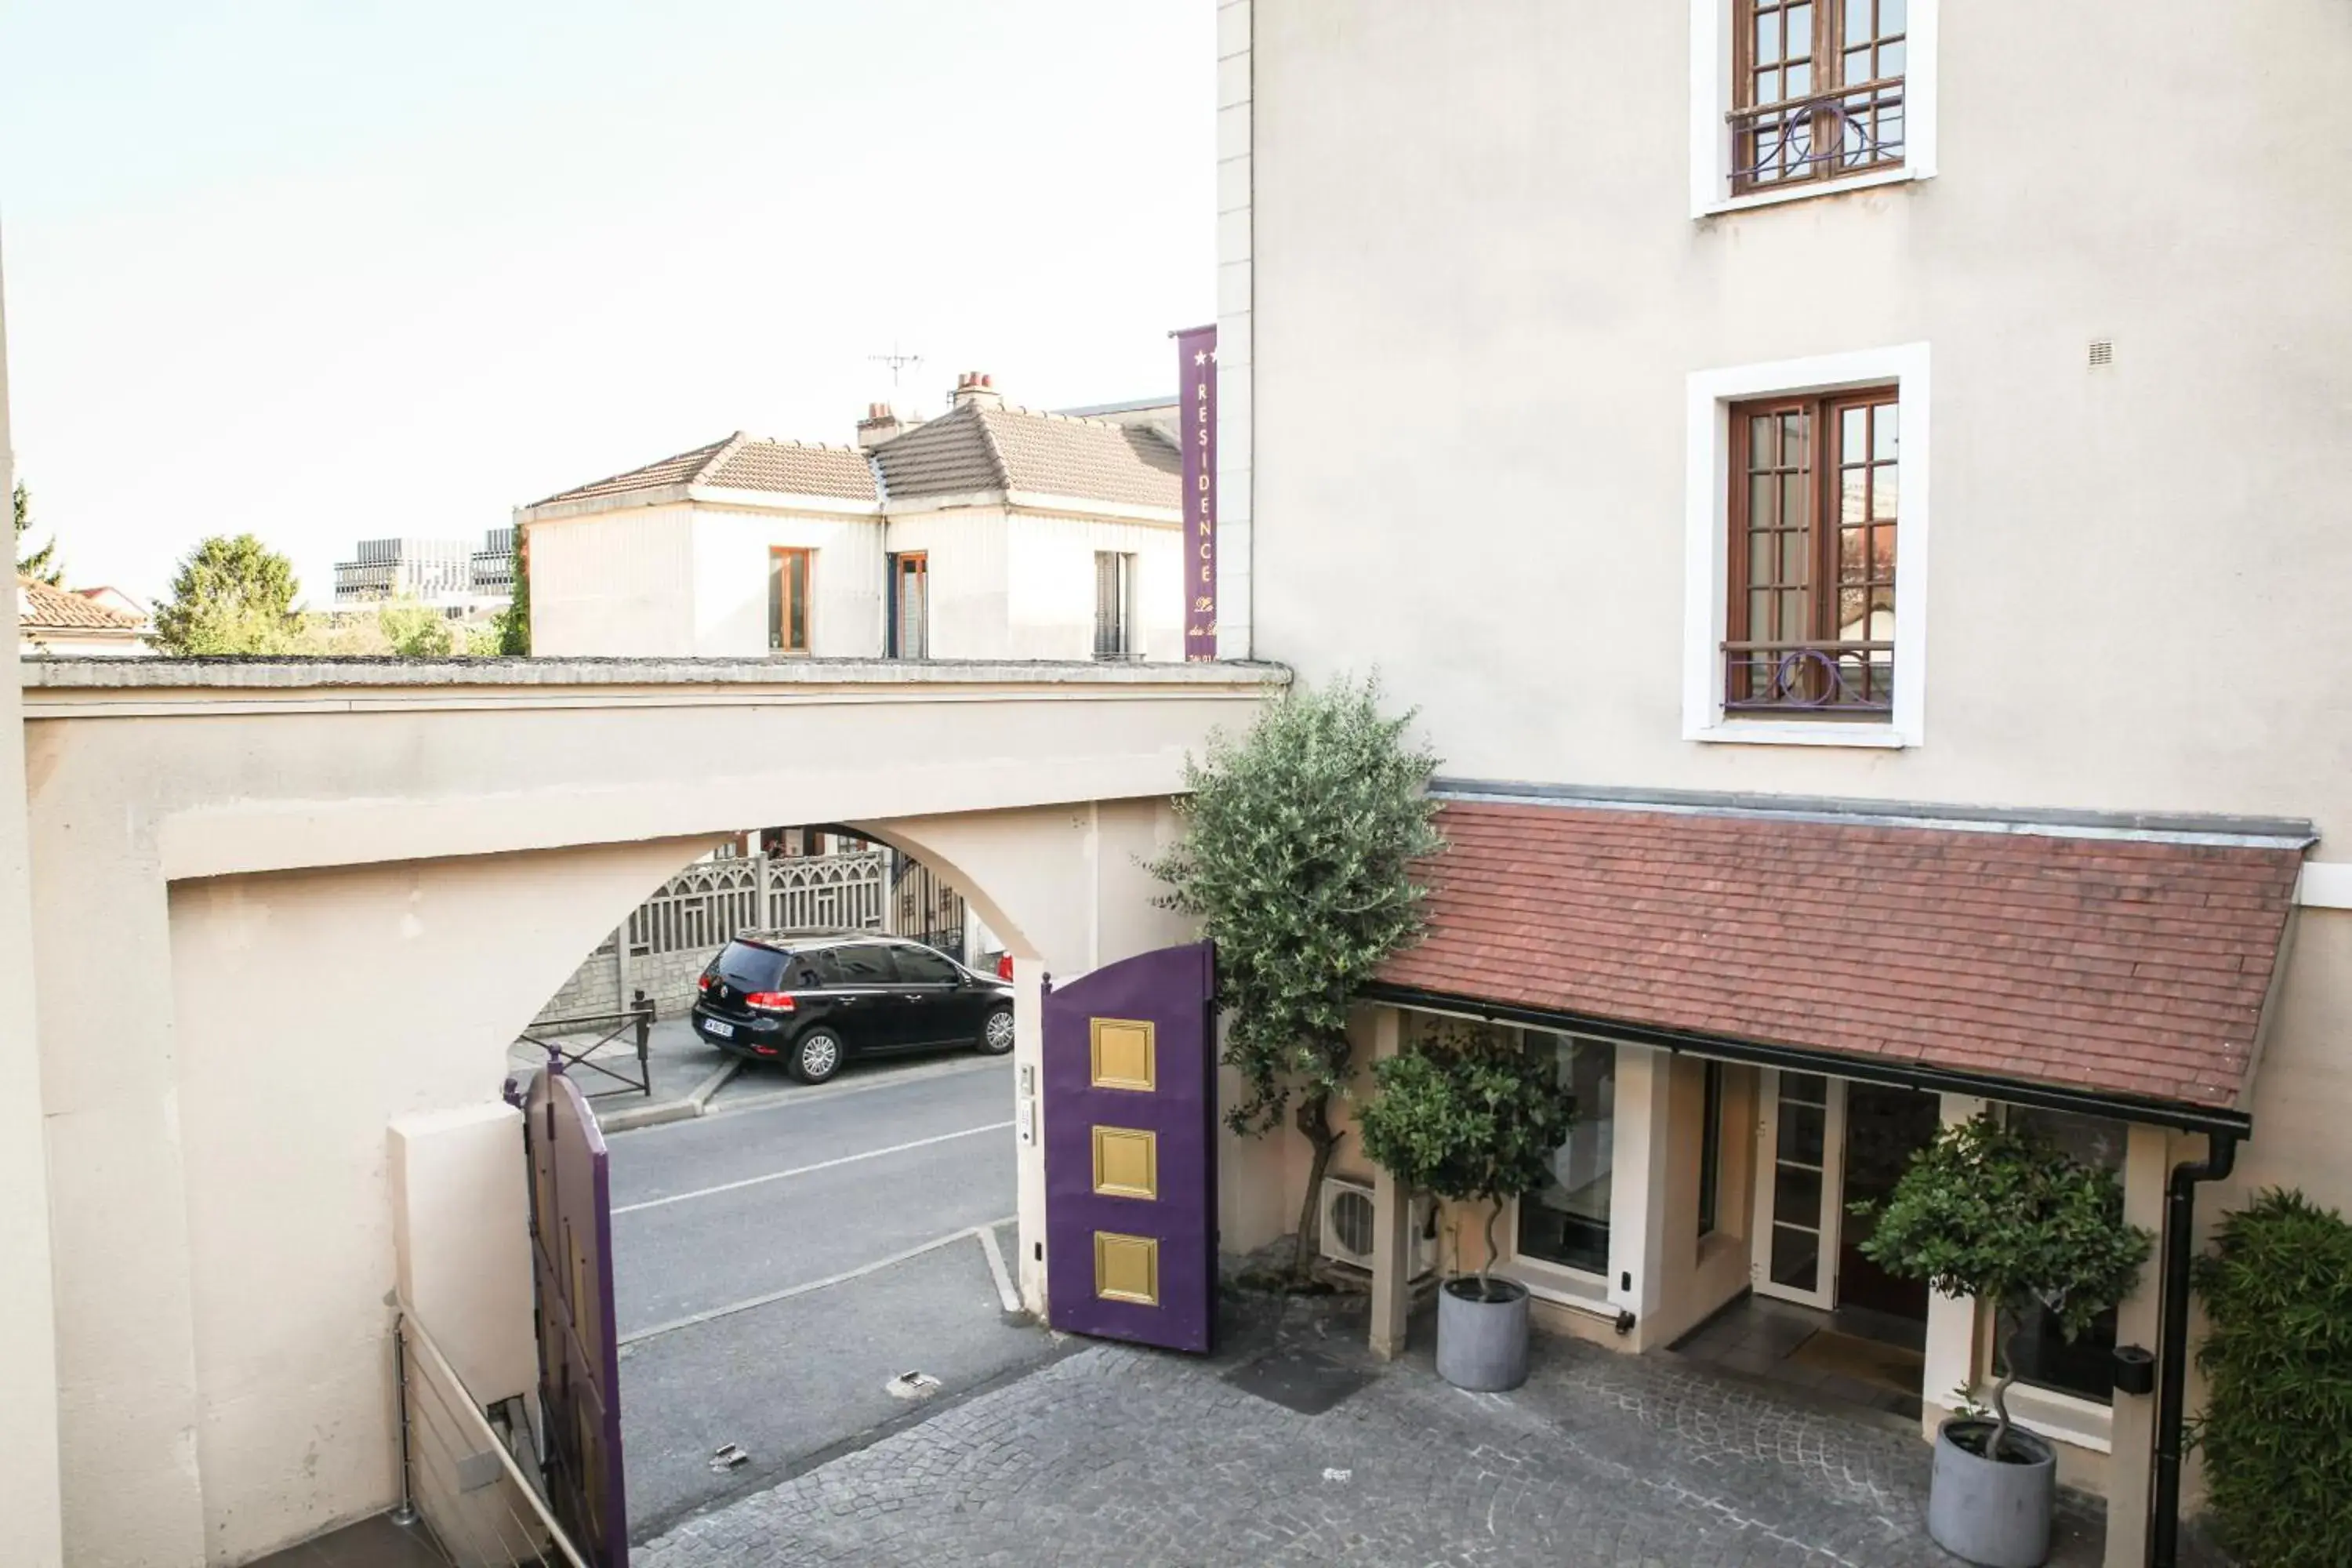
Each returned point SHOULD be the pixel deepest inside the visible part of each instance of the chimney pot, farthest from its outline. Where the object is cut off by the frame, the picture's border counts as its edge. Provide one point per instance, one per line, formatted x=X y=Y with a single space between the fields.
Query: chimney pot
x=977 y=386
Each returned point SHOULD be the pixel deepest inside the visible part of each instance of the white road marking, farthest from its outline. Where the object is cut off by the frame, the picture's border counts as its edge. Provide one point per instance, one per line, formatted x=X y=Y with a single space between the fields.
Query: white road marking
x=1006 y=1296
x=846 y=1275
x=806 y=1170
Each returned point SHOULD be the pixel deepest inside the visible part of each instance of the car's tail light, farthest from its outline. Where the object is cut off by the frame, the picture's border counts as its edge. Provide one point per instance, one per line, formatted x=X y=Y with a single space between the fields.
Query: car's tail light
x=771 y=1001
x=702 y=982
x=1004 y=966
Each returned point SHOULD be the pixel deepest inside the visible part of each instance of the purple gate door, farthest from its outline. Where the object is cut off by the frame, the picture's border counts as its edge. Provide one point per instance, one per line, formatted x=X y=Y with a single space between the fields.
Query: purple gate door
x=1131 y=1151
x=579 y=1355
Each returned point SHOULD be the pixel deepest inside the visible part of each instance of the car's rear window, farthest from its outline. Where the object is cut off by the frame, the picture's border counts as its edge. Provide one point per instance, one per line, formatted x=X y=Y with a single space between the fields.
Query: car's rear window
x=747 y=967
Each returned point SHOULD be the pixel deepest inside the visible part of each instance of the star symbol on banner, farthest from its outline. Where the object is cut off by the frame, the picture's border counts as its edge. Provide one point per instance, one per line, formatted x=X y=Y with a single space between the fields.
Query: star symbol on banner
x=1200 y=356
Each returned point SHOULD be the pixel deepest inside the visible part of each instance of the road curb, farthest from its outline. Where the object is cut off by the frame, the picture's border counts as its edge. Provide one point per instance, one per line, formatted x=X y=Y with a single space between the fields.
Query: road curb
x=696 y=1103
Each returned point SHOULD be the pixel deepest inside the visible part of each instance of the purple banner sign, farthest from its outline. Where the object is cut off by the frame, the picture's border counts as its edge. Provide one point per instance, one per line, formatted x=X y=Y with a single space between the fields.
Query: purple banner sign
x=1196 y=377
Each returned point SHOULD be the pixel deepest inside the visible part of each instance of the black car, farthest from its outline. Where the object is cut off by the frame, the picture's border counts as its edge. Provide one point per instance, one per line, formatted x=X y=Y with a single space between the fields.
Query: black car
x=812 y=999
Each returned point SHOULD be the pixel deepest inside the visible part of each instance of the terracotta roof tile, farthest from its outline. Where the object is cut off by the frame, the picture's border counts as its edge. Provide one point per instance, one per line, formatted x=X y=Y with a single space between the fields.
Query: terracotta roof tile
x=977 y=447
x=2124 y=966
x=745 y=463
x=41 y=608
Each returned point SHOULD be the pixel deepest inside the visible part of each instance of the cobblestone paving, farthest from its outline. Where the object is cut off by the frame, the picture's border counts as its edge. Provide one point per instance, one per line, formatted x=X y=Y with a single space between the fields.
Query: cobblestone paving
x=1116 y=1456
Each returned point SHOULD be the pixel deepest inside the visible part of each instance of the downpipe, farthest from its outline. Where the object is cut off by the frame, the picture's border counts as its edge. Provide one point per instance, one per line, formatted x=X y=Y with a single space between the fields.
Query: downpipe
x=2172 y=1356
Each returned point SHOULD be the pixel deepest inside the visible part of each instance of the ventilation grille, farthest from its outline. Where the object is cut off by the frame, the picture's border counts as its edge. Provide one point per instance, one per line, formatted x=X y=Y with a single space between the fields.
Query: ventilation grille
x=1351 y=1220
x=2103 y=352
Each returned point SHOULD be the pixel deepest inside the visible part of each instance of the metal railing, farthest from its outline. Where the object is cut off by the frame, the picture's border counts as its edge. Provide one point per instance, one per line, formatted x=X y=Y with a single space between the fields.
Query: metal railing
x=464 y=1484
x=1843 y=678
x=636 y=1019
x=1801 y=138
x=707 y=903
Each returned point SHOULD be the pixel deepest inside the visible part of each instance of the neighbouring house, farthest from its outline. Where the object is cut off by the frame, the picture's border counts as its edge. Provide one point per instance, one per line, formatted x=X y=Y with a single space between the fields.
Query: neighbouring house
x=1788 y=830
x=988 y=533
x=66 y=621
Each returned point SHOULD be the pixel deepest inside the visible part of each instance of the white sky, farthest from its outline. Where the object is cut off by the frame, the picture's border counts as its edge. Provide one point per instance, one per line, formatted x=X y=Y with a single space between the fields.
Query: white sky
x=334 y=270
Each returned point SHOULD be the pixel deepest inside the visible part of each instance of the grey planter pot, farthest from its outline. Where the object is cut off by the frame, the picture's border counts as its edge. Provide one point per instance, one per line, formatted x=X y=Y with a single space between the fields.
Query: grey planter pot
x=1992 y=1513
x=1482 y=1345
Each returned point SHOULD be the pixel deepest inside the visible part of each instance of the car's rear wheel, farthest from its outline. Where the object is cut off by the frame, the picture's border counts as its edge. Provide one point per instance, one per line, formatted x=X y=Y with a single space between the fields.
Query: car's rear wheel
x=996 y=1032
x=817 y=1055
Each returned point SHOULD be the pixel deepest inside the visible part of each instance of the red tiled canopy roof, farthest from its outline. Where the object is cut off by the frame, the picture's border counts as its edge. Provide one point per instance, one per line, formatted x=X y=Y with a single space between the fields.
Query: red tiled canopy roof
x=2130 y=967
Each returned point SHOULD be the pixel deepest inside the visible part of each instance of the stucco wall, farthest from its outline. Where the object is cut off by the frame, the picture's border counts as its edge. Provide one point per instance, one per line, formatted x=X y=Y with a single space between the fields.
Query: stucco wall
x=29 y=1373
x=2136 y=574
x=730 y=580
x=613 y=582
x=1052 y=576
x=968 y=609
x=455 y=838
x=292 y=1360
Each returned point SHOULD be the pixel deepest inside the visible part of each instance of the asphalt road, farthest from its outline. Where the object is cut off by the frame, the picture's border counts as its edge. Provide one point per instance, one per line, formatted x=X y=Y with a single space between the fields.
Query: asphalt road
x=776 y=1267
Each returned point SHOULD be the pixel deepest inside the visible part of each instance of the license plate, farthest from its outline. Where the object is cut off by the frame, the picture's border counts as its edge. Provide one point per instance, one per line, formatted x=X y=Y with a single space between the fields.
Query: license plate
x=713 y=1026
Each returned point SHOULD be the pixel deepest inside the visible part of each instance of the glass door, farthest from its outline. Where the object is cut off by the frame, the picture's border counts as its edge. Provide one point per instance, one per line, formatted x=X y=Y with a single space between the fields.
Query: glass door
x=1799 y=1194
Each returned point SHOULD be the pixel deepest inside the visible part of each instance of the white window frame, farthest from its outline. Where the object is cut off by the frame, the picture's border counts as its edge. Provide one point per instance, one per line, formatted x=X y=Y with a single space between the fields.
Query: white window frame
x=1706 y=545
x=1563 y=1282
x=1711 y=100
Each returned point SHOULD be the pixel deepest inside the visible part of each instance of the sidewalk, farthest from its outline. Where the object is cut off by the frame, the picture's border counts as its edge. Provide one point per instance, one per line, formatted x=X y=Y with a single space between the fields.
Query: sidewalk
x=691 y=1079
x=685 y=1073
x=1119 y=1455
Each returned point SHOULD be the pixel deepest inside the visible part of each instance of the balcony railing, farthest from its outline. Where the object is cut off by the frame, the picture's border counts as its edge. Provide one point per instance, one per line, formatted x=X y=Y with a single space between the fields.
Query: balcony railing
x=1819 y=135
x=1840 y=679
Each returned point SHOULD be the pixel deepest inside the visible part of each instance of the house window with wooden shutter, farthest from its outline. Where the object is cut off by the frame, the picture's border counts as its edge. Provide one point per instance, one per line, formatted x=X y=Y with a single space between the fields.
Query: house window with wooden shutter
x=1816 y=493
x=788 y=600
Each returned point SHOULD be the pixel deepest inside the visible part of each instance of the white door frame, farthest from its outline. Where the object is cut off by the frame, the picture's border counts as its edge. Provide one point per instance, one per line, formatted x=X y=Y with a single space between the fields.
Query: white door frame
x=1833 y=1172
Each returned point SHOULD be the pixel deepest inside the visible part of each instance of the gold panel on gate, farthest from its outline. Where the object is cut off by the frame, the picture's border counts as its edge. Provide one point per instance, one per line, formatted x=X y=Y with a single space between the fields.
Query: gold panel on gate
x=1125 y=1054
x=1127 y=1162
x=1126 y=1267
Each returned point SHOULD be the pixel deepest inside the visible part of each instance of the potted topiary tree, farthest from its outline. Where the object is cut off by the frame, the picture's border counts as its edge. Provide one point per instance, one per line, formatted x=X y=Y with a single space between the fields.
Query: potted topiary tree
x=2001 y=1215
x=1472 y=1117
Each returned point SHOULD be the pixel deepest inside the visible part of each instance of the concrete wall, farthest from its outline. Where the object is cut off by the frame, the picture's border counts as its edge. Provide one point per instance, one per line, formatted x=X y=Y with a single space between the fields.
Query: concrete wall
x=29 y=1527
x=453 y=838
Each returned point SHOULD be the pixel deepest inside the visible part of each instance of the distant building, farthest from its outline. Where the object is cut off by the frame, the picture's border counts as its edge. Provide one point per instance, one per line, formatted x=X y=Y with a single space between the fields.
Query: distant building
x=988 y=532
x=61 y=621
x=449 y=573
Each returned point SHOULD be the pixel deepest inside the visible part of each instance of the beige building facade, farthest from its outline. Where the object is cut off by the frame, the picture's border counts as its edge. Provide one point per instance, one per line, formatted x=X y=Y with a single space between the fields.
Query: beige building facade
x=1890 y=414
x=988 y=532
x=228 y=1216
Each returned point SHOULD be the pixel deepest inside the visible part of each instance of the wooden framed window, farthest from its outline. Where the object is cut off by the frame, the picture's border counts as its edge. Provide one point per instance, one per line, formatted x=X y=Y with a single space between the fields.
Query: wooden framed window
x=1817 y=89
x=1816 y=494
x=910 y=604
x=789 y=611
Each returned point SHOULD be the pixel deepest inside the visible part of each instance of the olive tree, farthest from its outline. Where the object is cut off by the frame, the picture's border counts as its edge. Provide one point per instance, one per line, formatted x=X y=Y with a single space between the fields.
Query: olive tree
x=2003 y=1215
x=1472 y=1116
x=1297 y=858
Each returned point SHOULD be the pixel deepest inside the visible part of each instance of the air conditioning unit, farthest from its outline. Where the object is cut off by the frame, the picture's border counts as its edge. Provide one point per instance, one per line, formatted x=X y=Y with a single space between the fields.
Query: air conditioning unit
x=1347 y=1227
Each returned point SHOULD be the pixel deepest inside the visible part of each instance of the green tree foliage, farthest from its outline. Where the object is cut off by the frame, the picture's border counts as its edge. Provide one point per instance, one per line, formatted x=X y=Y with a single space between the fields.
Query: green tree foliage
x=514 y=621
x=2276 y=1430
x=230 y=595
x=1297 y=858
x=412 y=630
x=1470 y=1115
x=2001 y=1214
x=41 y=565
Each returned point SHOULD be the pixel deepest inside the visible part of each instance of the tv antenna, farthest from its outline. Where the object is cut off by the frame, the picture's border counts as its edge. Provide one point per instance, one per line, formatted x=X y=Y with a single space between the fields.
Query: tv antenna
x=898 y=362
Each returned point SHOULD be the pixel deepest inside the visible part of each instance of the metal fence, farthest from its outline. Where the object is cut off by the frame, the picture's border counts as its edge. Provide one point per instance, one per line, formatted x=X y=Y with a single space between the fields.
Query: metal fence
x=467 y=1483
